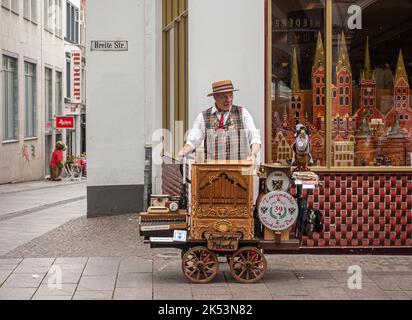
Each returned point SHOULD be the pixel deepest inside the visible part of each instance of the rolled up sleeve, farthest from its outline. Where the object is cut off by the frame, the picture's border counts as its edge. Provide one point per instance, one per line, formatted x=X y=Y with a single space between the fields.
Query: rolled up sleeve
x=197 y=134
x=253 y=133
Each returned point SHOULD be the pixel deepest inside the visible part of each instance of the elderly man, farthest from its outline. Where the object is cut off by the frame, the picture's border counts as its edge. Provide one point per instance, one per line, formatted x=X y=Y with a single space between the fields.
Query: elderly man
x=228 y=131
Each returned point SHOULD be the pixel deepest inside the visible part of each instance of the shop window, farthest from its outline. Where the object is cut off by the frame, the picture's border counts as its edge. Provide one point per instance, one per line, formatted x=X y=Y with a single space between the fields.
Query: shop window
x=304 y=34
x=389 y=52
x=384 y=93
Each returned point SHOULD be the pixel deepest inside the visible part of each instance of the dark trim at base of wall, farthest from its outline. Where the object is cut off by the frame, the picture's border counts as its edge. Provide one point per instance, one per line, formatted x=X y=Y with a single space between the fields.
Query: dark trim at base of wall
x=390 y=251
x=114 y=200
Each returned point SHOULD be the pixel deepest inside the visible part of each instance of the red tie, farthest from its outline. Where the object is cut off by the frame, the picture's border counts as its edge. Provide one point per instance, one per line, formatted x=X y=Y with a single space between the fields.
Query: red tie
x=222 y=121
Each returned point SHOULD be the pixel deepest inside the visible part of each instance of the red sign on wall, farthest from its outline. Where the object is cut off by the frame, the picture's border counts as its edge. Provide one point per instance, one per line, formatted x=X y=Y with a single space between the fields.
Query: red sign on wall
x=76 y=76
x=64 y=122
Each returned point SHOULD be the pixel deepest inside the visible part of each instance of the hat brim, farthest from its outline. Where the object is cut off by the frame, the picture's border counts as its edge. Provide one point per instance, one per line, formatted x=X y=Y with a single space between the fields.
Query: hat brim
x=223 y=91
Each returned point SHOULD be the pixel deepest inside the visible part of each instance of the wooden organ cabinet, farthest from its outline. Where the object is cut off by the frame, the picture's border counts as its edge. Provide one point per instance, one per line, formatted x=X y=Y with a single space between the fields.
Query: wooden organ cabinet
x=222 y=198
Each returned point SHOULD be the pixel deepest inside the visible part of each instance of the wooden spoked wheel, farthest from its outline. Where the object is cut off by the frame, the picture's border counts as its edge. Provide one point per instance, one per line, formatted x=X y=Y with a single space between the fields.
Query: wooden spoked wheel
x=248 y=265
x=200 y=265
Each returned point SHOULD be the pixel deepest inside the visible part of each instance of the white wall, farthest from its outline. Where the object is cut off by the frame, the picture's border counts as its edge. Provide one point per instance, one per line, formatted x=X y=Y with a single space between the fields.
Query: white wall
x=226 y=41
x=116 y=94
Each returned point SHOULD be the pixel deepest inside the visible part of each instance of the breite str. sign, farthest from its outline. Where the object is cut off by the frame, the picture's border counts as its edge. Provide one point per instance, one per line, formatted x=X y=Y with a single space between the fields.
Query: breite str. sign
x=64 y=122
x=106 y=45
x=76 y=76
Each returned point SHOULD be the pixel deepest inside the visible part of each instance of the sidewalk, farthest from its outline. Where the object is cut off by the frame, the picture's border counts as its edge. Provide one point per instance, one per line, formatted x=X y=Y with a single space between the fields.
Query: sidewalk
x=133 y=278
x=29 y=210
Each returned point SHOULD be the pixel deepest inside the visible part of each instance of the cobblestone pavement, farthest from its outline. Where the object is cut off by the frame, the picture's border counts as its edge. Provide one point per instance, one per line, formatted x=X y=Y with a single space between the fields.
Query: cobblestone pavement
x=29 y=210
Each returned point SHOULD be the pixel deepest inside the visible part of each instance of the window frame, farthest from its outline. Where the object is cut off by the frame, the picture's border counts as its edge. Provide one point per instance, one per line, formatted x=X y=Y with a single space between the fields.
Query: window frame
x=33 y=107
x=328 y=168
x=174 y=17
x=15 y=108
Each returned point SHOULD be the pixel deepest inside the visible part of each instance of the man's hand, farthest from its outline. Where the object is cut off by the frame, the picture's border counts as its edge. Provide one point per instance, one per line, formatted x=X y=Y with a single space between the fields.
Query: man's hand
x=252 y=158
x=185 y=151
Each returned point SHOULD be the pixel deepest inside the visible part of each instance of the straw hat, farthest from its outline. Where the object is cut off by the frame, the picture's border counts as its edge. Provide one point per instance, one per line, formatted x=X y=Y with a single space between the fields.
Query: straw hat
x=222 y=87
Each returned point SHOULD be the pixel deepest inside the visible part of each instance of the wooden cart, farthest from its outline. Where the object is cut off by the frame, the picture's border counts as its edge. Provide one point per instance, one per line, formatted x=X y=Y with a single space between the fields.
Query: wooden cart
x=223 y=221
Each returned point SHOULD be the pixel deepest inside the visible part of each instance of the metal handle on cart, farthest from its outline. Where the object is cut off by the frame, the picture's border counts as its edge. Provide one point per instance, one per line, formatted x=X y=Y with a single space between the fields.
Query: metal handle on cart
x=183 y=188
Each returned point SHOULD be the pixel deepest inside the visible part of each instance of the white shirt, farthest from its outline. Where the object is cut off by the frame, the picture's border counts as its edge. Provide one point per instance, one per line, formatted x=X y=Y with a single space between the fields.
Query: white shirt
x=197 y=134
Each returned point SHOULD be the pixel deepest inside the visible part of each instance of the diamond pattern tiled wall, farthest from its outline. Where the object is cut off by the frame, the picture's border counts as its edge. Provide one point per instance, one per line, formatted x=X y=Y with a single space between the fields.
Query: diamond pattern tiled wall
x=363 y=210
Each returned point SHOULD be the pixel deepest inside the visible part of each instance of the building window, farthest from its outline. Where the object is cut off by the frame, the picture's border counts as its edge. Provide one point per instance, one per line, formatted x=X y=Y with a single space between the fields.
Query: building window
x=58 y=17
x=68 y=77
x=15 y=6
x=48 y=95
x=72 y=23
x=48 y=15
x=30 y=100
x=10 y=99
x=175 y=71
x=5 y=4
x=59 y=93
x=30 y=10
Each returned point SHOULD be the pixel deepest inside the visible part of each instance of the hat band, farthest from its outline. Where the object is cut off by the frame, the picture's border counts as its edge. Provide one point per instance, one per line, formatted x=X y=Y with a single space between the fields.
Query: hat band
x=224 y=87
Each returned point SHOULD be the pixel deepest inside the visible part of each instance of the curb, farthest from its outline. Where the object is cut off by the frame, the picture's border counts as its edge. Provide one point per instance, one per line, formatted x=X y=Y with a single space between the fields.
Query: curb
x=16 y=214
x=41 y=188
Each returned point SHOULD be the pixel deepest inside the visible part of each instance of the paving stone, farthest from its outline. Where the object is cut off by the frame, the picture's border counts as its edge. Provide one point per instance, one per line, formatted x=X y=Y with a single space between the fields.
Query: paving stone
x=319 y=283
x=397 y=295
x=16 y=293
x=3 y=276
x=134 y=280
x=292 y=298
x=104 y=261
x=369 y=291
x=179 y=292
x=23 y=280
x=288 y=291
x=97 y=283
x=313 y=275
x=135 y=265
x=328 y=294
x=251 y=296
x=67 y=277
x=93 y=295
x=35 y=265
x=71 y=261
x=213 y=297
x=49 y=291
x=44 y=298
x=408 y=293
x=6 y=264
x=207 y=290
x=133 y=294
x=342 y=276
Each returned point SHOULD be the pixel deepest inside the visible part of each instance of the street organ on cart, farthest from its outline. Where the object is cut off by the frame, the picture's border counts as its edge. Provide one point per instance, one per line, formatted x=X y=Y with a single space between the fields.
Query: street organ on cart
x=224 y=219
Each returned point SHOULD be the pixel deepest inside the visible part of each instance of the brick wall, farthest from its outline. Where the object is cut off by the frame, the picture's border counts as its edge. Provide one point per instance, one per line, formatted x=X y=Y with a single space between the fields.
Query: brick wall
x=363 y=210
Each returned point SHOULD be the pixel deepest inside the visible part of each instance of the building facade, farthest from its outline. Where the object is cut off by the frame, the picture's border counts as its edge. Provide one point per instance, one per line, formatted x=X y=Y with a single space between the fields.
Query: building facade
x=293 y=61
x=36 y=83
x=31 y=82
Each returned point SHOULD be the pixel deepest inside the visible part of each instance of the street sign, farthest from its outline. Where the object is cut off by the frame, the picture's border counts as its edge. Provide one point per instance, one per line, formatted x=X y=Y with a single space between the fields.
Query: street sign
x=64 y=122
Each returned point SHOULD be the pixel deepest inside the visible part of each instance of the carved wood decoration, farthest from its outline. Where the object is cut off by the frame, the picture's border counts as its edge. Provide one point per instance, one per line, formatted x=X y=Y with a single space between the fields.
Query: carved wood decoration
x=222 y=194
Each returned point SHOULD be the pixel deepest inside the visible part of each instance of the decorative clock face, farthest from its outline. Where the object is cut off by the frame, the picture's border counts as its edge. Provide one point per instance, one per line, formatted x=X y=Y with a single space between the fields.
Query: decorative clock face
x=278 y=211
x=278 y=181
x=173 y=206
